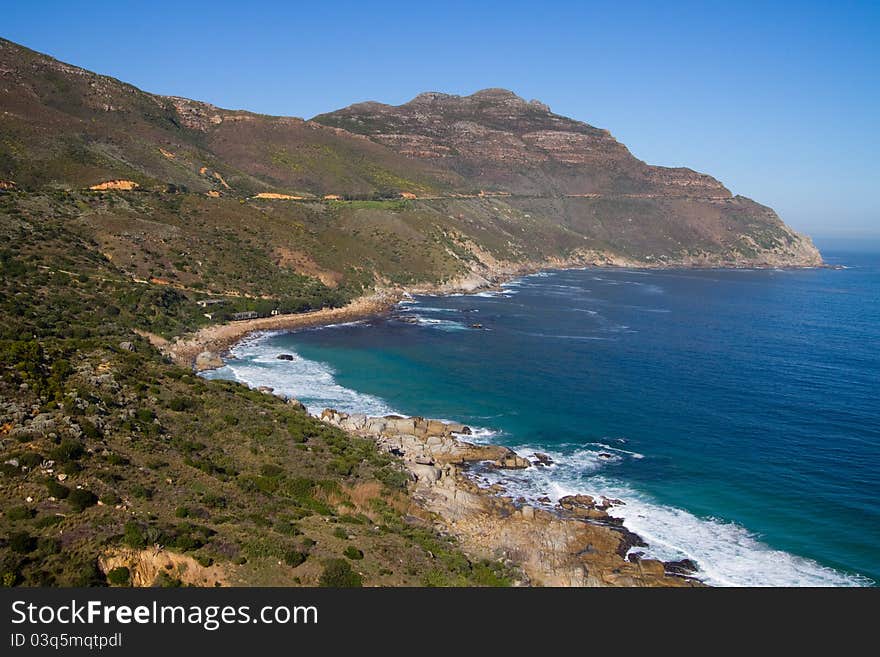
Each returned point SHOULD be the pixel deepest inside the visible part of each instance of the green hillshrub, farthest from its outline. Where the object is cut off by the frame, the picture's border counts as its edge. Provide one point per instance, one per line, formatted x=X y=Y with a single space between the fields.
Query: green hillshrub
x=80 y=499
x=339 y=574
x=120 y=576
x=353 y=553
x=20 y=513
x=57 y=490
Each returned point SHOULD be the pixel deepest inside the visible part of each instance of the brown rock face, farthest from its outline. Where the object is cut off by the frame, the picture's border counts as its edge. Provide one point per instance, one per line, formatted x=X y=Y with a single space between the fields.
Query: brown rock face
x=502 y=141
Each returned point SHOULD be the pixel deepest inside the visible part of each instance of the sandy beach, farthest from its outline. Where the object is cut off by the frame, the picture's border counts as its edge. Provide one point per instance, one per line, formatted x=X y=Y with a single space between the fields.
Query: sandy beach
x=202 y=350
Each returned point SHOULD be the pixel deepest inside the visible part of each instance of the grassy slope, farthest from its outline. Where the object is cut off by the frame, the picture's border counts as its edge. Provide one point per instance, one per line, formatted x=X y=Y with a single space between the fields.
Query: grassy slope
x=227 y=475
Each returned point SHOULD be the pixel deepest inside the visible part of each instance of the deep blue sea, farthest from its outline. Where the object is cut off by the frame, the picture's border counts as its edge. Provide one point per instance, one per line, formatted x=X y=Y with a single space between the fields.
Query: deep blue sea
x=740 y=409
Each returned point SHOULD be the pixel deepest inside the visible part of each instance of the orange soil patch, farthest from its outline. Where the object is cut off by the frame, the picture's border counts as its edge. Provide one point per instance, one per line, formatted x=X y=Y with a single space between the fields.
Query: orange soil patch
x=213 y=194
x=167 y=154
x=220 y=178
x=146 y=565
x=124 y=185
x=332 y=197
x=409 y=195
x=273 y=195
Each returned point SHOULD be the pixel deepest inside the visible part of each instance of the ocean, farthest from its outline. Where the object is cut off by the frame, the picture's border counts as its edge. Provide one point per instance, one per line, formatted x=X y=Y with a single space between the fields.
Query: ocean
x=735 y=412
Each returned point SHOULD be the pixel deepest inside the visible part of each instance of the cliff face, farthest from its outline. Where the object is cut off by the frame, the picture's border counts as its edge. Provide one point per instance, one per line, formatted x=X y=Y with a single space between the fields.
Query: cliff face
x=500 y=141
x=488 y=179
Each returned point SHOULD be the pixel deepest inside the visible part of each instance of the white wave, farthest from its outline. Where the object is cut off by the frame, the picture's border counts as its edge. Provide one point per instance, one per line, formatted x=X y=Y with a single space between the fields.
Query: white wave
x=430 y=309
x=609 y=448
x=313 y=383
x=495 y=294
x=727 y=554
x=441 y=324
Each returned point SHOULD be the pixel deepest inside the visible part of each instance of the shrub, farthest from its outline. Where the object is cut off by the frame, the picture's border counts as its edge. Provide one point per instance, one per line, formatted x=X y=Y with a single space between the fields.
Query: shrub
x=68 y=450
x=142 y=492
x=30 y=459
x=165 y=581
x=20 y=513
x=180 y=404
x=89 y=429
x=353 y=553
x=22 y=542
x=56 y=490
x=81 y=498
x=133 y=536
x=339 y=574
x=110 y=499
x=287 y=528
x=294 y=558
x=49 y=545
x=339 y=532
x=120 y=576
x=145 y=415
x=181 y=512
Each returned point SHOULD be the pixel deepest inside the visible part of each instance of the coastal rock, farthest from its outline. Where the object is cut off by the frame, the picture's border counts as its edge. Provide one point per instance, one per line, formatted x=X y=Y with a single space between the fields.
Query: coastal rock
x=682 y=567
x=576 y=544
x=297 y=404
x=512 y=462
x=207 y=360
x=573 y=501
x=542 y=458
x=284 y=356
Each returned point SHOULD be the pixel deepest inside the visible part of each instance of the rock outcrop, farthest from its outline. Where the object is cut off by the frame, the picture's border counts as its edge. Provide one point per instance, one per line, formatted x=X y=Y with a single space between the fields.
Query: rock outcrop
x=577 y=543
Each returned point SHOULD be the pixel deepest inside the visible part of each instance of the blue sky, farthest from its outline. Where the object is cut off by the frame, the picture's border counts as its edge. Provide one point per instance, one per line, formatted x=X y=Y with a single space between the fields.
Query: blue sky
x=780 y=101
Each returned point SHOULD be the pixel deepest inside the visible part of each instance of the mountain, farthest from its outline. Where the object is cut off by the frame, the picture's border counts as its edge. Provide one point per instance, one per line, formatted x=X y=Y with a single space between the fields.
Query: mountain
x=494 y=174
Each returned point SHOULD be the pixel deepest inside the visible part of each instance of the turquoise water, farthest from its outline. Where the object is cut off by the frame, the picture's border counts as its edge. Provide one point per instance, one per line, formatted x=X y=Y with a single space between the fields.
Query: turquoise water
x=735 y=412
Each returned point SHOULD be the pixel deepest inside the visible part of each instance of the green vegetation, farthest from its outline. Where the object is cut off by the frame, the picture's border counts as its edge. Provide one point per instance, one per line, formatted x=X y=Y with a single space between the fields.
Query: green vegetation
x=339 y=574
x=120 y=576
x=121 y=450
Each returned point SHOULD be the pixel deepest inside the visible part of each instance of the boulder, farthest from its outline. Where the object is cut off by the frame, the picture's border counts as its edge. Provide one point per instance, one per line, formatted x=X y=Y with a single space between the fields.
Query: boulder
x=512 y=462
x=456 y=427
x=542 y=458
x=126 y=346
x=425 y=472
x=400 y=425
x=575 y=501
x=436 y=428
x=208 y=360
x=682 y=567
x=297 y=404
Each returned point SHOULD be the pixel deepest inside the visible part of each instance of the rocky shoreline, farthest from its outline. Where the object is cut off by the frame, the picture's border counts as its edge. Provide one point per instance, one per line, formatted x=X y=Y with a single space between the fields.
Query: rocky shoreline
x=578 y=542
x=575 y=543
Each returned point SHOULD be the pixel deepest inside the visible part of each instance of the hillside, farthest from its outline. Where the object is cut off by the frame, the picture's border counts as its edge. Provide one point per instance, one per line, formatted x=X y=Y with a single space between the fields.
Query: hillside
x=125 y=214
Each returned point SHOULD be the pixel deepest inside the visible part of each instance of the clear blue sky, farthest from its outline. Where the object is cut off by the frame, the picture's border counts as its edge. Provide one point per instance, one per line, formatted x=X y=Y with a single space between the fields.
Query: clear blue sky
x=779 y=100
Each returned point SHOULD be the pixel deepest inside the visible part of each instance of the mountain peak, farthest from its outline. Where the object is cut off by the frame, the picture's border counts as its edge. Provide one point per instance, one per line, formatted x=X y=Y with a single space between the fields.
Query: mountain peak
x=491 y=95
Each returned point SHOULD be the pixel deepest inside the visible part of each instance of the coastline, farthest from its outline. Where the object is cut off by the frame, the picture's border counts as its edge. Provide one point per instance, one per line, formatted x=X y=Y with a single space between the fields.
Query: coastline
x=204 y=349
x=577 y=543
